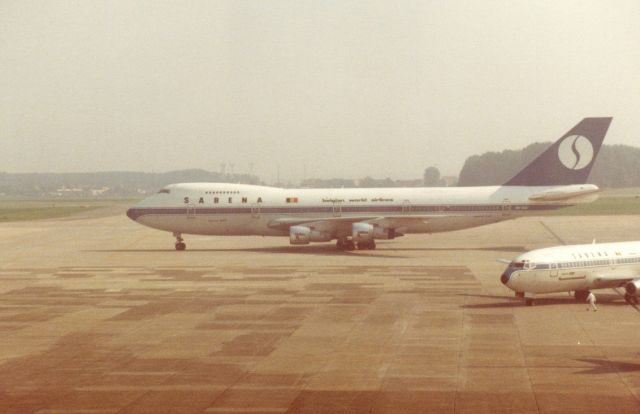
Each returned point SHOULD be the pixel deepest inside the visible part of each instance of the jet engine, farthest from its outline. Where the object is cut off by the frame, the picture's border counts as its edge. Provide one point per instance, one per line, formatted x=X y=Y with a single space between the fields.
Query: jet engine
x=633 y=287
x=365 y=232
x=386 y=234
x=305 y=235
x=362 y=232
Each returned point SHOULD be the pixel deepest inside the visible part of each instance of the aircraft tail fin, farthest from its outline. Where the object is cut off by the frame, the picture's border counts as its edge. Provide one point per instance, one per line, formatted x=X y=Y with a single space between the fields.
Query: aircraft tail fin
x=569 y=160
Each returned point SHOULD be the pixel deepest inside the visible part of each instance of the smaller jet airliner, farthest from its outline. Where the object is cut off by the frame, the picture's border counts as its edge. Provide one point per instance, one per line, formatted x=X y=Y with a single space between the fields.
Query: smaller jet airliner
x=357 y=217
x=576 y=268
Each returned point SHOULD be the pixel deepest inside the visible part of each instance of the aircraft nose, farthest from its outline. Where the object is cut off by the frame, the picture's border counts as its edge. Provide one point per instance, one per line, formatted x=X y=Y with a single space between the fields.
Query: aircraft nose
x=132 y=213
x=505 y=278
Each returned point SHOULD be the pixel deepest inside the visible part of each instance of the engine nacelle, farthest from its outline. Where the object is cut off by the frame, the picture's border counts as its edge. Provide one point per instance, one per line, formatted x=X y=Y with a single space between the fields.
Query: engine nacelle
x=362 y=232
x=633 y=287
x=365 y=232
x=382 y=233
x=305 y=235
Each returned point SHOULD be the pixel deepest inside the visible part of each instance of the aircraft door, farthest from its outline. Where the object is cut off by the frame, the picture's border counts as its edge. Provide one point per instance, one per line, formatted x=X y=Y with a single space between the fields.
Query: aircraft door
x=554 y=270
x=506 y=207
x=337 y=209
x=406 y=206
x=191 y=211
x=255 y=210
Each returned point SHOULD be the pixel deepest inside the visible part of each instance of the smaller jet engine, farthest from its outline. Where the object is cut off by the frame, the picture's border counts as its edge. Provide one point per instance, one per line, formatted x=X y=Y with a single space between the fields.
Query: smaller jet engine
x=633 y=288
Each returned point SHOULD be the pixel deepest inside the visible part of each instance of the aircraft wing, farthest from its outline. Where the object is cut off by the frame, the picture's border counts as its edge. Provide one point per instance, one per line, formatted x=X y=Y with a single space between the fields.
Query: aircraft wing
x=343 y=223
x=404 y=220
x=614 y=278
x=566 y=193
x=328 y=224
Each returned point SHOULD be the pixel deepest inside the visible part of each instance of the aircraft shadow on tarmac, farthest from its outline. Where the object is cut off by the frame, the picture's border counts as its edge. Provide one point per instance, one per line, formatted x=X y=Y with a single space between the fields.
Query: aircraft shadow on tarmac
x=510 y=301
x=323 y=250
x=514 y=249
x=319 y=250
x=605 y=366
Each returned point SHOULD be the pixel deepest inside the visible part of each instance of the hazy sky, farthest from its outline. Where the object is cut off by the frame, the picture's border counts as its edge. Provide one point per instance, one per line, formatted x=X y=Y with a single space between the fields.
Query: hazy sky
x=320 y=88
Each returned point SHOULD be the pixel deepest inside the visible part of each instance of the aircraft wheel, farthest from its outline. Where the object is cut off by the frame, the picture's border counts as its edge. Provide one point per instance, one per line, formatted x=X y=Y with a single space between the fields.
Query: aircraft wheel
x=364 y=245
x=180 y=246
x=528 y=302
x=370 y=245
x=340 y=245
x=350 y=245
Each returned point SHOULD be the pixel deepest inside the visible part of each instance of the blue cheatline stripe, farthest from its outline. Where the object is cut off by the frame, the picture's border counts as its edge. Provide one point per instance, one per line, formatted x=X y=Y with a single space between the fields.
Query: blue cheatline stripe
x=136 y=212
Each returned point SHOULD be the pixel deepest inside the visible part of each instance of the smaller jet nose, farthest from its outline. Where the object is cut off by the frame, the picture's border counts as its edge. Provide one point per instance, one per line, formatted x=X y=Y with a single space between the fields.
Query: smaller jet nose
x=132 y=213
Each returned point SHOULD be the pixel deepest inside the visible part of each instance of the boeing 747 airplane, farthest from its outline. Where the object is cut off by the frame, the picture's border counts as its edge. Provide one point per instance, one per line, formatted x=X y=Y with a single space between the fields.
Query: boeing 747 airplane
x=577 y=268
x=357 y=217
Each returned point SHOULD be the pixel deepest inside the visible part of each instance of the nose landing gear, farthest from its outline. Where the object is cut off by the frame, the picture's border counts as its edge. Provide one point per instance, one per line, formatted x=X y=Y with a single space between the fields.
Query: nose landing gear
x=180 y=245
x=529 y=299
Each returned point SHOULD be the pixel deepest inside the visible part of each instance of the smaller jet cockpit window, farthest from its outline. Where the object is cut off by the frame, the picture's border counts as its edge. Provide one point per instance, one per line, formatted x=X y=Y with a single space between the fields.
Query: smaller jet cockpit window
x=517 y=265
x=164 y=191
x=513 y=266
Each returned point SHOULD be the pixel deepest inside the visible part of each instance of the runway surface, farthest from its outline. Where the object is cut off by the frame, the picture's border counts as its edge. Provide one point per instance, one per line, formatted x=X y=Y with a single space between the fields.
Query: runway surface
x=101 y=315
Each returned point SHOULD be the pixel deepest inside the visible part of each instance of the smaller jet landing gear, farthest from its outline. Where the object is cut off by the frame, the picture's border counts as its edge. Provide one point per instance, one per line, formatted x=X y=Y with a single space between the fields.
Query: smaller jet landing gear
x=529 y=298
x=180 y=245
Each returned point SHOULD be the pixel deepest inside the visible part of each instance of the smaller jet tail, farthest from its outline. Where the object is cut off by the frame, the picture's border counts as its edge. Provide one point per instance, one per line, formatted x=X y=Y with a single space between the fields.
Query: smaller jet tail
x=569 y=160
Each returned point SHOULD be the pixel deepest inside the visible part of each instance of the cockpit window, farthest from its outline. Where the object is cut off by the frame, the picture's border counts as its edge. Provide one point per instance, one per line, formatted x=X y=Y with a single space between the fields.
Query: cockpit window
x=527 y=265
x=164 y=191
x=517 y=265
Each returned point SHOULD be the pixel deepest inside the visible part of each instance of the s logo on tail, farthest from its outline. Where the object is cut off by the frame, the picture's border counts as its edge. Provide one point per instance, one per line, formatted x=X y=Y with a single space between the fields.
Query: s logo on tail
x=569 y=160
x=575 y=152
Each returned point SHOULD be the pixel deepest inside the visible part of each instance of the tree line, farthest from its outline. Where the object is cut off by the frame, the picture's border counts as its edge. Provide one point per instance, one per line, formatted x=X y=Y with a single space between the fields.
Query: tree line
x=616 y=166
x=113 y=184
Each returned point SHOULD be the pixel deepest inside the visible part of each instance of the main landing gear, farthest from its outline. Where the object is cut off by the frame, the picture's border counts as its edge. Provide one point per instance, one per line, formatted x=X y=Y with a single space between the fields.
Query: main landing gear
x=180 y=245
x=347 y=245
x=370 y=245
x=350 y=245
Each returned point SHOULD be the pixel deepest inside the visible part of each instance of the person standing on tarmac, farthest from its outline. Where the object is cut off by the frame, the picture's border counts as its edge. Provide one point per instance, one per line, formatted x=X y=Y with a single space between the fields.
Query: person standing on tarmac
x=592 y=301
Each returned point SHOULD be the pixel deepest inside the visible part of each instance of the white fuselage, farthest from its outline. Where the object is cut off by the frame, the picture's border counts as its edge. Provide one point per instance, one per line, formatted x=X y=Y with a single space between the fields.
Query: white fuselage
x=574 y=268
x=238 y=209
